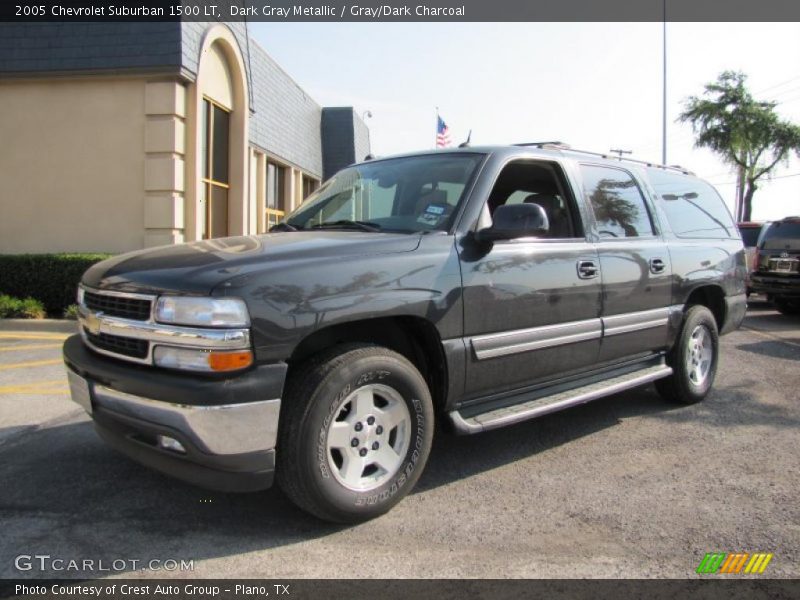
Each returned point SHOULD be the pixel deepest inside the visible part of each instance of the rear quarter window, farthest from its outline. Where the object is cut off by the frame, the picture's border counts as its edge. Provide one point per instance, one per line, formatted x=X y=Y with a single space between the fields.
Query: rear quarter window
x=693 y=208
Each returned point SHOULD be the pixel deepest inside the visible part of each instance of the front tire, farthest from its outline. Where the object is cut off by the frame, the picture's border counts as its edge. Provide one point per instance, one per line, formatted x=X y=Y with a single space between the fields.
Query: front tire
x=693 y=359
x=355 y=433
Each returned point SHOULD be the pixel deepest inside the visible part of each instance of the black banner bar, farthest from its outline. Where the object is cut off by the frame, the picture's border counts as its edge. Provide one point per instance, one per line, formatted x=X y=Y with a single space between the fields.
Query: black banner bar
x=713 y=588
x=400 y=10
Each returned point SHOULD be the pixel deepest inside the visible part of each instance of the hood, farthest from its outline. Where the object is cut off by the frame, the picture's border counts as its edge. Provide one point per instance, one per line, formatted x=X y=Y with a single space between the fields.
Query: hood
x=198 y=267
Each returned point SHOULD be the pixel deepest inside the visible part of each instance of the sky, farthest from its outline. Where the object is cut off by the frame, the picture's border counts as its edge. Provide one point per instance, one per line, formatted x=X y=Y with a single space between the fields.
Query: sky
x=594 y=86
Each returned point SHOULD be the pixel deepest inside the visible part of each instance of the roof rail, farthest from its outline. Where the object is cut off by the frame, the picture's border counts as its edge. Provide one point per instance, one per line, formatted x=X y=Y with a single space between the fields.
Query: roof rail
x=562 y=145
x=568 y=148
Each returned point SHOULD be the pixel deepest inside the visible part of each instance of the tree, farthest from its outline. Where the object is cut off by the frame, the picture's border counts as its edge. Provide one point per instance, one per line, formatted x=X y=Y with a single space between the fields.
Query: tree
x=747 y=134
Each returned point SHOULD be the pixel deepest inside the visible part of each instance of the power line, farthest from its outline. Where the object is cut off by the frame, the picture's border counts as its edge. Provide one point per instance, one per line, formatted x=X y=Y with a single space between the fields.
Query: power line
x=768 y=179
x=777 y=85
x=784 y=92
x=784 y=176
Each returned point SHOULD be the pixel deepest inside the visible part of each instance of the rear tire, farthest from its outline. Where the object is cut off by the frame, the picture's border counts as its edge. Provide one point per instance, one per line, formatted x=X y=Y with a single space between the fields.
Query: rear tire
x=693 y=359
x=787 y=307
x=355 y=433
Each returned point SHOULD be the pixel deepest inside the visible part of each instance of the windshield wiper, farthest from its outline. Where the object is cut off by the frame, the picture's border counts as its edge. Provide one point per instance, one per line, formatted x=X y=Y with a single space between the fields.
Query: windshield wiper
x=282 y=226
x=347 y=224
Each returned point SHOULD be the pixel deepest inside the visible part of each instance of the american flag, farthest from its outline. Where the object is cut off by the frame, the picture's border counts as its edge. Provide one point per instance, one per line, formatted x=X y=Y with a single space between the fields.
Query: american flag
x=442 y=133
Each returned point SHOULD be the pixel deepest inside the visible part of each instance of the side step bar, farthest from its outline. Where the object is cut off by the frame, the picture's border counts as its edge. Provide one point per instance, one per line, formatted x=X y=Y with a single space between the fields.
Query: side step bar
x=516 y=413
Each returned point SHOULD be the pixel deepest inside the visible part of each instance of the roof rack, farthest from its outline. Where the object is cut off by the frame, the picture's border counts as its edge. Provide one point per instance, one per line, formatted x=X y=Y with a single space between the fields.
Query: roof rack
x=568 y=148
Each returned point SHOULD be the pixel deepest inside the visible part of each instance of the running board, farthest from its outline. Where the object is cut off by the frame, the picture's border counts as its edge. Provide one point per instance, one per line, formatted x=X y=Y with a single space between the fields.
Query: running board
x=516 y=413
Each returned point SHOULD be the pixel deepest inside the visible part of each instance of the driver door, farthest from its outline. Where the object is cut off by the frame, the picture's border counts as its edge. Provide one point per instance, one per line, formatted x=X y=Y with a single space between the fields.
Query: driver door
x=531 y=305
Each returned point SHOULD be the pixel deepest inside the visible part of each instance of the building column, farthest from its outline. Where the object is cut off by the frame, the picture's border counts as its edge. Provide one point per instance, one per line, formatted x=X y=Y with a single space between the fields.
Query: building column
x=165 y=149
x=258 y=189
x=297 y=196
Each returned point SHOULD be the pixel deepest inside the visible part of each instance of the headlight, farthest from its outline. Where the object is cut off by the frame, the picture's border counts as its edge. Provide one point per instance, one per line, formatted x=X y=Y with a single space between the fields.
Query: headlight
x=211 y=361
x=202 y=312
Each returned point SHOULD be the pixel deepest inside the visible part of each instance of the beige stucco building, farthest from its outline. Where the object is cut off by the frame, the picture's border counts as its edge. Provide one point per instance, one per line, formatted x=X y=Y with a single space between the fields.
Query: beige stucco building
x=117 y=137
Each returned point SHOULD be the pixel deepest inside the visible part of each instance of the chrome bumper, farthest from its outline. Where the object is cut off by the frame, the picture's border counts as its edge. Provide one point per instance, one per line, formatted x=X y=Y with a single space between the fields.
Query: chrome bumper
x=230 y=429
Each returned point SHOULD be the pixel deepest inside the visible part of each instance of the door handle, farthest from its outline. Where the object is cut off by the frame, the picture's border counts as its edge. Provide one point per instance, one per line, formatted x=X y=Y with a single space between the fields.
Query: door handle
x=657 y=265
x=587 y=269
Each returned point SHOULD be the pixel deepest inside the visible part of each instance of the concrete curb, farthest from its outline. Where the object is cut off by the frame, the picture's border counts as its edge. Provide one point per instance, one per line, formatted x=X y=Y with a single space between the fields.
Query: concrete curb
x=40 y=325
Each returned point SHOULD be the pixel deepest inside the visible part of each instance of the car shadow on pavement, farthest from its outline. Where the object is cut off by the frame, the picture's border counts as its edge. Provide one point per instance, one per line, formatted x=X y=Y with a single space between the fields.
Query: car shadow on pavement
x=774 y=349
x=764 y=313
x=458 y=457
x=67 y=494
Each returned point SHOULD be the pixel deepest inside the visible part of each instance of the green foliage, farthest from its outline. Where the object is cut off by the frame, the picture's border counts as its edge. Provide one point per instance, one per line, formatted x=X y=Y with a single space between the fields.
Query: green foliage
x=50 y=278
x=747 y=134
x=27 y=308
x=71 y=312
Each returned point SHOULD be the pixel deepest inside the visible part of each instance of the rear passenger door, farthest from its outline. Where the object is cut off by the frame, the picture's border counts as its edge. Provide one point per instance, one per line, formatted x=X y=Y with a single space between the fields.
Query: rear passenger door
x=634 y=264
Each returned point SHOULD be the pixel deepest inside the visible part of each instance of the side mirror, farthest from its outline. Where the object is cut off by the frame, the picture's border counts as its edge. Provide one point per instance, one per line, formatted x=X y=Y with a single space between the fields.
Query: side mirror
x=512 y=221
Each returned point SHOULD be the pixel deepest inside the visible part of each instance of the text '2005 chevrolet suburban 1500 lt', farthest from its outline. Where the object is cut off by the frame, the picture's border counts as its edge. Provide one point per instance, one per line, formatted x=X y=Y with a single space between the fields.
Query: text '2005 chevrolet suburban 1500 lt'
x=478 y=287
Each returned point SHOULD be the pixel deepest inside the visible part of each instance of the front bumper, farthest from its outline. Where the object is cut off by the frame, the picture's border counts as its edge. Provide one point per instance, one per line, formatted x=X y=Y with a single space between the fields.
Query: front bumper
x=227 y=427
x=787 y=287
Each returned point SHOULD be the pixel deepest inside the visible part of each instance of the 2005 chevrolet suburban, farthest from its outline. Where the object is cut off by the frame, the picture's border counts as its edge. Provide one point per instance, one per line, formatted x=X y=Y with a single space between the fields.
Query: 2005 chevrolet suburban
x=478 y=287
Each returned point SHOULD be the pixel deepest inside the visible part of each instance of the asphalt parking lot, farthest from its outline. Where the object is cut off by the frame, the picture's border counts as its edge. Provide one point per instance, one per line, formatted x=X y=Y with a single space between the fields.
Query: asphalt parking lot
x=629 y=486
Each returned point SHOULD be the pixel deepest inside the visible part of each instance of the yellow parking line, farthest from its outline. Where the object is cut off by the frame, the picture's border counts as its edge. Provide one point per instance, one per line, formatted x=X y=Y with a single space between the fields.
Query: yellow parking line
x=40 y=387
x=61 y=391
x=30 y=347
x=33 y=363
x=39 y=383
x=27 y=335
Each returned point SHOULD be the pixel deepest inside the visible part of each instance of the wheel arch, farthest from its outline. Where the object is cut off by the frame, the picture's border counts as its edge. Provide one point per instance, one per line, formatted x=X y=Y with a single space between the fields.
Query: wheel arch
x=713 y=298
x=415 y=338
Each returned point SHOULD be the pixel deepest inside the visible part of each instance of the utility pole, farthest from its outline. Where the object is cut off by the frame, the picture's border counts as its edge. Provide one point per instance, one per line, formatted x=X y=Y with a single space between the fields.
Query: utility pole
x=740 y=194
x=619 y=152
x=664 y=88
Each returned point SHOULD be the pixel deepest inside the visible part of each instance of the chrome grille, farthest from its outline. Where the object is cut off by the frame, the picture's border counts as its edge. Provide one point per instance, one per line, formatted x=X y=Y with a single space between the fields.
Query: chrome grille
x=122 y=325
x=118 y=306
x=118 y=344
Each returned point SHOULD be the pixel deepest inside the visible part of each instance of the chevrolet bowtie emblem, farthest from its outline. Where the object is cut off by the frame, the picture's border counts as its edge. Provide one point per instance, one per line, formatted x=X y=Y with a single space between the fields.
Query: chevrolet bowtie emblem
x=92 y=323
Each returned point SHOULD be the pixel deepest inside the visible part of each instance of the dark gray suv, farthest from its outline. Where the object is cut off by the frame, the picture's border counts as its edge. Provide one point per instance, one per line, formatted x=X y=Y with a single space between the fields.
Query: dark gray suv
x=475 y=288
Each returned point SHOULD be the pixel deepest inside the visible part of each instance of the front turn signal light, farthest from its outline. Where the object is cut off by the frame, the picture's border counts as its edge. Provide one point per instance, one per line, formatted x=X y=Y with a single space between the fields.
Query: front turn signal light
x=212 y=361
x=230 y=361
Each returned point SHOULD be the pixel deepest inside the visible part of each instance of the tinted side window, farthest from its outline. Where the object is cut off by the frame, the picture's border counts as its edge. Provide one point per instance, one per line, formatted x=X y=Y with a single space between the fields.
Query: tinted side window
x=526 y=182
x=694 y=208
x=617 y=202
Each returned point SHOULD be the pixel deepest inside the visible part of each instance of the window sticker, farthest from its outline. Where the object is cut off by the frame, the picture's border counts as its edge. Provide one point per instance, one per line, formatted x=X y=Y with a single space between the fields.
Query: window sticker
x=433 y=215
x=435 y=209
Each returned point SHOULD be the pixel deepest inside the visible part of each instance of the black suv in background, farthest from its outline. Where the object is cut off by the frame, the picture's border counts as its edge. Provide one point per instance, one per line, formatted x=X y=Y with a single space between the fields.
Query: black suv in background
x=777 y=265
x=474 y=287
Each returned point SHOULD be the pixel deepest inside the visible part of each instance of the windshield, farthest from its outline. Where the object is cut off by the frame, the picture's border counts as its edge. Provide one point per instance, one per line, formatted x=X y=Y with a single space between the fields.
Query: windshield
x=406 y=195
